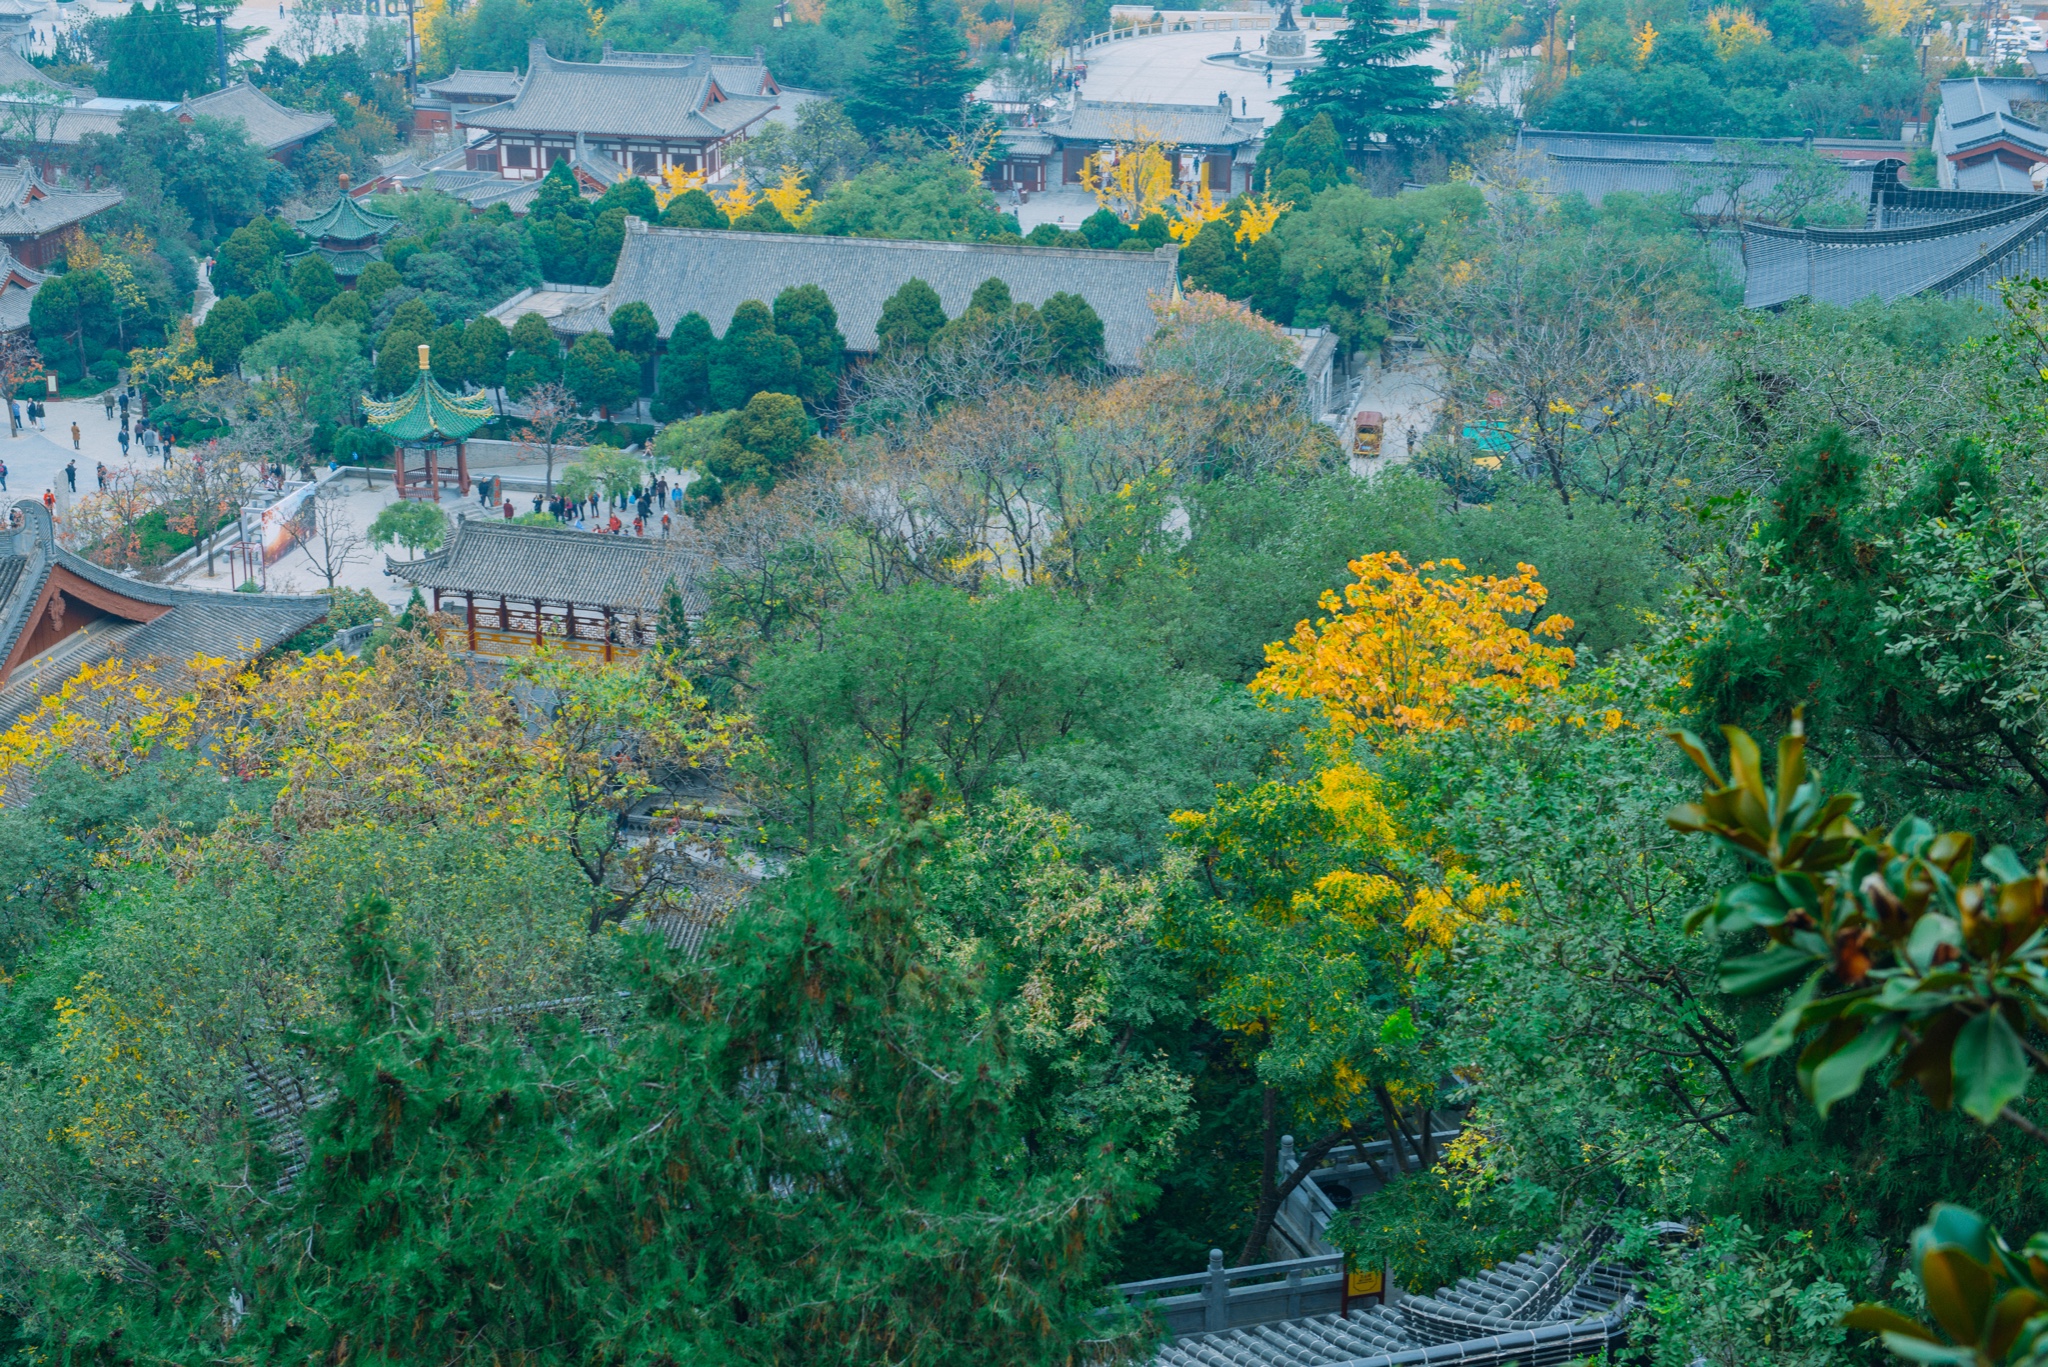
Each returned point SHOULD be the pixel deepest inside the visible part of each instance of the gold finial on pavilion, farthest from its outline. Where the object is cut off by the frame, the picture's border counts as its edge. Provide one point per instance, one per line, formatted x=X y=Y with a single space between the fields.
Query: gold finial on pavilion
x=423 y=355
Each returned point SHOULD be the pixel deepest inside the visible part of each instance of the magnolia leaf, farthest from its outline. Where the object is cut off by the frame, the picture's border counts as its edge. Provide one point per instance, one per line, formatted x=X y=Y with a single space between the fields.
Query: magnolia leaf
x=1696 y=751
x=1919 y=1350
x=1746 y=764
x=2004 y=865
x=1882 y=1319
x=1958 y=1292
x=1754 y=973
x=2008 y=1316
x=1990 y=1064
x=1785 y=1029
x=1840 y=1074
x=1929 y=1061
x=1791 y=766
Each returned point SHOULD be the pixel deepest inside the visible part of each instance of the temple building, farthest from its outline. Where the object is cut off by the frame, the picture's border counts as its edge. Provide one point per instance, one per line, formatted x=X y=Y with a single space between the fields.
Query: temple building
x=1195 y=137
x=346 y=235
x=460 y=91
x=1991 y=133
x=675 y=271
x=37 y=219
x=18 y=285
x=632 y=113
x=60 y=612
x=430 y=428
x=519 y=588
x=268 y=124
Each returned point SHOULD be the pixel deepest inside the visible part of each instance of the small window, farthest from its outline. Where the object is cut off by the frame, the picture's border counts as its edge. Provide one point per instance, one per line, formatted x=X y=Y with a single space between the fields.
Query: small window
x=520 y=158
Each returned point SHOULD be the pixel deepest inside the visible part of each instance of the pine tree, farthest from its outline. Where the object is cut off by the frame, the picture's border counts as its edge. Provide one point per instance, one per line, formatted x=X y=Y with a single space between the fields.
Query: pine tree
x=917 y=79
x=1368 y=83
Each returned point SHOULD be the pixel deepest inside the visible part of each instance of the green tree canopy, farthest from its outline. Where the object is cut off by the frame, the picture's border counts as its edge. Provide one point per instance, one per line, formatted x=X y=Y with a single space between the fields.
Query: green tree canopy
x=804 y=314
x=313 y=283
x=487 y=344
x=398 y=362
x=685 y=380
x=910 y=316
x=753 y=357
x=932 y=199
x=229 y=327
x=1074 y=332
x=155 y=54
x=761 y=443
x=600 y=376
x=694 y=209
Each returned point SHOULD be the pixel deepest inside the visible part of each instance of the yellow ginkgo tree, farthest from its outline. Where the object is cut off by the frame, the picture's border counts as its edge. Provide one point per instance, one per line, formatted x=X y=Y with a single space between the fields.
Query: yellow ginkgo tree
x=1132 y=178
x=1328 y=896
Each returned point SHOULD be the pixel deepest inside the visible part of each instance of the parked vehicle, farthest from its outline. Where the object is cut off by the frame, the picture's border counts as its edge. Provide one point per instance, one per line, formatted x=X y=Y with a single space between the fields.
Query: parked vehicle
x=1367 y=427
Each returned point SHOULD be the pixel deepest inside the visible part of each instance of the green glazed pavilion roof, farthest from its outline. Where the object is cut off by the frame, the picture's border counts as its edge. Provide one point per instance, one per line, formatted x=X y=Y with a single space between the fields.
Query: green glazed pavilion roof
x=346 y=221
x=427 y=410
x=348 y=262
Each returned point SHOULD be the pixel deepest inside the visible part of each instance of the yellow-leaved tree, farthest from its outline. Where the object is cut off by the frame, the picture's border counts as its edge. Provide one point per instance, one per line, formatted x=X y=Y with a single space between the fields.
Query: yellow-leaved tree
x=1132 y=178
x=1329 y=899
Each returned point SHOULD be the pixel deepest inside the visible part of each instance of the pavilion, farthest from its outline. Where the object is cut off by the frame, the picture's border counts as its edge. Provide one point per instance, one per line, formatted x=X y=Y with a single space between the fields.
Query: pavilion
x=525 y=587
x=430 y=427
x=346 y=235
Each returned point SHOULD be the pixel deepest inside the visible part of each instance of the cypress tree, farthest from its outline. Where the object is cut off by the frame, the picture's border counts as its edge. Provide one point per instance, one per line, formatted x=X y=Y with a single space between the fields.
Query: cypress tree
x=753 y=357
x=804 y=314
x=910 y=316
x=1368 y=82
x=685 y=379
x=693 y=209
x=1074 y=332
x=918 y=78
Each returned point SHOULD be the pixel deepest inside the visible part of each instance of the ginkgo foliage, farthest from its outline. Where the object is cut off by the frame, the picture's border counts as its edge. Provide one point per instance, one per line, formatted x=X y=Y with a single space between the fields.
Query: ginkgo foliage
x=1330 y=898
x=1401 y=641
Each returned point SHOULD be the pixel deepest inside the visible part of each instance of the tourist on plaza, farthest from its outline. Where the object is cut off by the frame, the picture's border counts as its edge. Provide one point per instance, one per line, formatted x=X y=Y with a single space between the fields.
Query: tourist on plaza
x=71 y=474
x=107 y=402
x=124 y=441
x=613 y=527
x=74 y=436
x=42 y=412
x=124 y=405
x=49 y=500
x=3 y=476
x=508 y=510
x=101 y=471
x=639 y=527
x=664 y=524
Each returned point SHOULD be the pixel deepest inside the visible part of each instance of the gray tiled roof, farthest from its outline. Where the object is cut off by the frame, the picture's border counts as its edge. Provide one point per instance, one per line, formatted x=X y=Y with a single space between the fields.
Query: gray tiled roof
x=617 y=99
x=18 y=285
x=29 y=207
x=1993 y=175
x=675 y=271
x=16 y=69
x=493 y=559
x=1511 y=1312
x=74 y=124
x=1596 y=177
x=735 y=75
x=268 y=124
x=502 y=85
x=1959 y=258
x=229 y=625
x=1641 y=146
x=1905 y=206
x=1201 y=125
x=1981 y=110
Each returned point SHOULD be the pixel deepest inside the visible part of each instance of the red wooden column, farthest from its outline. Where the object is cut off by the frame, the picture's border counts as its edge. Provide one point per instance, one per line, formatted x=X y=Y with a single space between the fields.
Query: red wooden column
x=536 y=624
x=469 y=610
x=437 y=602
x=462 y=466
x=607 y=635
x=504 y=615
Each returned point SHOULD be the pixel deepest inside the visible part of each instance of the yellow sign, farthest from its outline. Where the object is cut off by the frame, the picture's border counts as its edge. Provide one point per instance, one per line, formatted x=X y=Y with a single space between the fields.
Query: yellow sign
x=1362 y=1281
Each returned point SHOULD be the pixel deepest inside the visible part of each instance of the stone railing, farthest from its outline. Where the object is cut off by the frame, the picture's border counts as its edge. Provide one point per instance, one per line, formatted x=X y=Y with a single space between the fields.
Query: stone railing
x=1238 y=23
x=1203 y=1302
